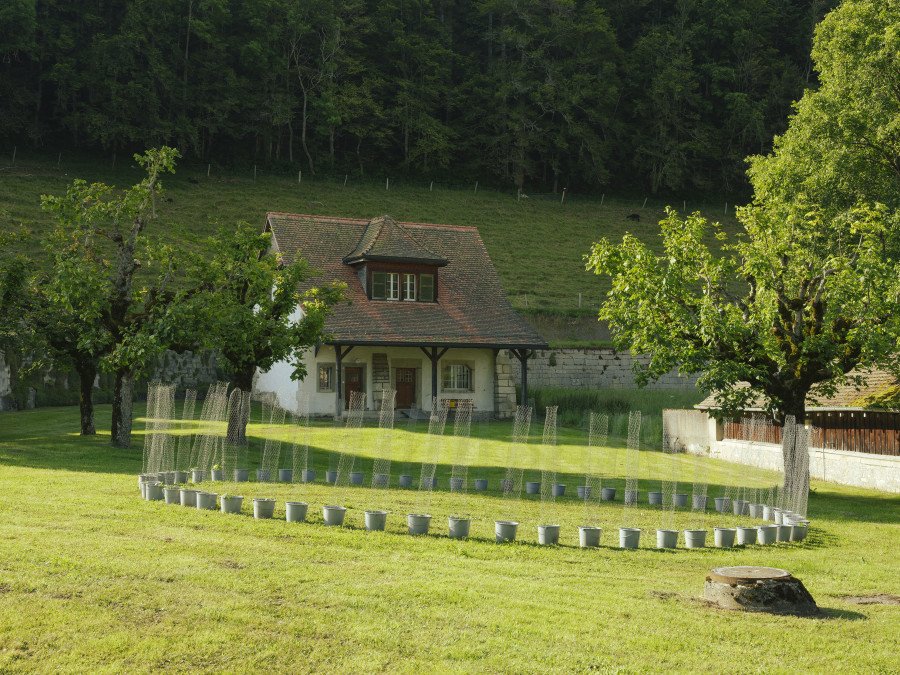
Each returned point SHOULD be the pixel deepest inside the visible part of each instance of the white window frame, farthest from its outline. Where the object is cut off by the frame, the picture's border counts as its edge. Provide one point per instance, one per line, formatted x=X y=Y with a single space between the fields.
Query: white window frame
x=409 y=287
x=392 y=285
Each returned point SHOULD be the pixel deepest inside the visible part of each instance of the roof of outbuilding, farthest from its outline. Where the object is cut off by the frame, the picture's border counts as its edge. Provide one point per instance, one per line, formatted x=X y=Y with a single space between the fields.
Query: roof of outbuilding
x=879 y=392
x=472 y=309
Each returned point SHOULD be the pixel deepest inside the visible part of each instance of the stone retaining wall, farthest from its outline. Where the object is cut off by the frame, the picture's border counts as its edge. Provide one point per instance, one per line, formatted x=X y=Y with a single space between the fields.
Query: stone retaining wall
x=591 y=368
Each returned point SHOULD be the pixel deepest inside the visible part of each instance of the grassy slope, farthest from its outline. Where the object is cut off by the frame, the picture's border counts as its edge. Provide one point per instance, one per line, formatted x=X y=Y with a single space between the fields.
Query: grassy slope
x=537 y=245
x=94 y=579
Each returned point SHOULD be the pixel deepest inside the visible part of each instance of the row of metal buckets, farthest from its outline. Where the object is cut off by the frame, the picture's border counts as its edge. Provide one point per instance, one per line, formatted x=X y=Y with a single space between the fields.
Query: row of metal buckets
x=789 y=528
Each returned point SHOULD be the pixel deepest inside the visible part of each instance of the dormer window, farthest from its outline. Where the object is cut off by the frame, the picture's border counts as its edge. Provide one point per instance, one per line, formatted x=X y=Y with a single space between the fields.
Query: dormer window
x=405 y=286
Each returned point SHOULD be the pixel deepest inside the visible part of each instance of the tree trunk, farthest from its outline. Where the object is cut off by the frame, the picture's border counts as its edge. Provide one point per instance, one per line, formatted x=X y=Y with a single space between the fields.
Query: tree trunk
x=87 y=373
x=795 y=452
x=309 y=158
x=123 y=399
x=237 y=427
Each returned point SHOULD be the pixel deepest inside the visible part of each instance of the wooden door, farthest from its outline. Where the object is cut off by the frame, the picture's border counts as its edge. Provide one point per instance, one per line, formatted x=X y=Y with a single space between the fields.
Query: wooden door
x=352 y=382
x=406 y=387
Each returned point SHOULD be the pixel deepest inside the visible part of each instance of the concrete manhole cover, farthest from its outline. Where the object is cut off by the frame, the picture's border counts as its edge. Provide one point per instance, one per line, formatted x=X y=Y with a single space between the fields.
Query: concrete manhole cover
x=748 y=574
x=760 y=589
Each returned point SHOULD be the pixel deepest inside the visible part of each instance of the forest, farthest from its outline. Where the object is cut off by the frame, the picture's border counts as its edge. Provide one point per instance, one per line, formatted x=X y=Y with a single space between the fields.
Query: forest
x=665 y=96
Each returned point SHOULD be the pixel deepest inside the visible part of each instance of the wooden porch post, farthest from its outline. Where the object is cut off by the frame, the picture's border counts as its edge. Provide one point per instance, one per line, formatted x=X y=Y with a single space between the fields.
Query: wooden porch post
x=434 y=356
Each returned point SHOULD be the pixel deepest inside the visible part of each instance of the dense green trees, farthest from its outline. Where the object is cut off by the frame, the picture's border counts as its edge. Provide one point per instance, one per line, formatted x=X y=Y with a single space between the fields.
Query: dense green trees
x=809 y=291
x=658 y=94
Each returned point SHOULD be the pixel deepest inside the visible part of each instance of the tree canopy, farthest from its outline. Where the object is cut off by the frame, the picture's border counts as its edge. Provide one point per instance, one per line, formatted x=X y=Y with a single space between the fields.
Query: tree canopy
x=810 y=290
x=661 y=95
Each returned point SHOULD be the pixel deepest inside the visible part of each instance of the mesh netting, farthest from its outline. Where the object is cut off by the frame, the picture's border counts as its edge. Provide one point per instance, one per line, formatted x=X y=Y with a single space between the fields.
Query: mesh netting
x=632 y=467
x=794 y=494
x=183 y=461
x=208 y=440
x=512 y=483
x=161 y=456
x=548 y=467
x=436 y=424
x=233 y=437
x=597 y=434
x=301 y=458
x=272 y=447
x=668 y=479
x=459 y=474
x=148 y=424
x=349 y=440
x=384 y=441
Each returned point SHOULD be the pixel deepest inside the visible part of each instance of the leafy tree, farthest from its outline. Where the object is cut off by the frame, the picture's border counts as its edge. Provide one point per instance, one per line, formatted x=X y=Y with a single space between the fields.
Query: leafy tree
x=809 y=292
x=97 y=249
x=254 y=314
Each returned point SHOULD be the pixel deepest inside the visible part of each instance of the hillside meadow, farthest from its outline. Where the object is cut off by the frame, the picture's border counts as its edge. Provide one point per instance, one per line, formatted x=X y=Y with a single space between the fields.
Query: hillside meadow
x=537 y=243
x=93 y=579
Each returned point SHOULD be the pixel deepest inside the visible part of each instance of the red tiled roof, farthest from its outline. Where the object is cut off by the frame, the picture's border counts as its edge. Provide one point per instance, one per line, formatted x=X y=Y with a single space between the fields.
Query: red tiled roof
x=385 y=240
x=472 y=308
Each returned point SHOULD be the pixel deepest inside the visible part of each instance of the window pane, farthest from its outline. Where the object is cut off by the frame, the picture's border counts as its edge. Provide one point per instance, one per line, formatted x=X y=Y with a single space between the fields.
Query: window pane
x=409 y=286
x=326 y=378
x=393 y=286
x=426 y=288
x=378 y=285
x=457 y=376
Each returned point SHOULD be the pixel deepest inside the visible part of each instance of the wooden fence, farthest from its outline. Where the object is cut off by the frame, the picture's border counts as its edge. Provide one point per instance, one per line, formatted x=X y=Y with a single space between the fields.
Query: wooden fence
x=877 y=433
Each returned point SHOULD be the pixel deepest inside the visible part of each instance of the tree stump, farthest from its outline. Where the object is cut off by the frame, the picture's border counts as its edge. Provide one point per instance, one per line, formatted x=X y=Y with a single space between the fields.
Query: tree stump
x=759 y=589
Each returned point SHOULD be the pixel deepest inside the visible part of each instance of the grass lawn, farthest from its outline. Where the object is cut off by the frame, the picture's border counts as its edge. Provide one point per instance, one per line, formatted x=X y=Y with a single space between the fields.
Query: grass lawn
x=93 y=579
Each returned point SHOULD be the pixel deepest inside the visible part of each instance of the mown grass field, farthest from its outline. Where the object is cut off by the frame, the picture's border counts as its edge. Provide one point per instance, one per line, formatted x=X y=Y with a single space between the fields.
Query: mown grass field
x=93 y=579
x=537 y=245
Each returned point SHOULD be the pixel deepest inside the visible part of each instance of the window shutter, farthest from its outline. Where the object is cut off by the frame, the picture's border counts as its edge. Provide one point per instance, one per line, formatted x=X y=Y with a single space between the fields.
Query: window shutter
x=426 y=288
x=378 y=286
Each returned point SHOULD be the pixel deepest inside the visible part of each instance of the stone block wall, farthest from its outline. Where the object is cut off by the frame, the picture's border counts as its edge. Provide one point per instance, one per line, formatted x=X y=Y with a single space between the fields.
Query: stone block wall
x=55 y=387
x=590 y=368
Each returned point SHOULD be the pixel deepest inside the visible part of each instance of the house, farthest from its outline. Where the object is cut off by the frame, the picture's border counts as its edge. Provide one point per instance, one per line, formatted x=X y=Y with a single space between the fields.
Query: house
x=427 y=317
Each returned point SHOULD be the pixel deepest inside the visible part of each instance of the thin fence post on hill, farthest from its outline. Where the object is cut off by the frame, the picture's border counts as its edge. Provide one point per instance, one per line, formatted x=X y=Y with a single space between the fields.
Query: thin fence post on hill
x=431 y=187
x=579 y=301
x=726 y=208
x=602 y=197
x=15 y=147
x=58 y=160
x=299 y=177
x=254 y=172
x=645 y=202
x=345 y=179
x=476 y=187
x=387 y=183
x=563 y=199
x=208 y=167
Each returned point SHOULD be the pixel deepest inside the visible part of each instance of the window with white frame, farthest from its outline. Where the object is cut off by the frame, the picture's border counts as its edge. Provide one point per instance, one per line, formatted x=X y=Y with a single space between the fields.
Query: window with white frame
x=409 y=287
x=392 y=285
x=457 y=376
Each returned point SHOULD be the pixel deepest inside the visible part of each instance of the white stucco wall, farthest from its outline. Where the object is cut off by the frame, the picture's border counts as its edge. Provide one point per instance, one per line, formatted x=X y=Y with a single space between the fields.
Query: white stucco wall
x=481 y=361
x=860 y=469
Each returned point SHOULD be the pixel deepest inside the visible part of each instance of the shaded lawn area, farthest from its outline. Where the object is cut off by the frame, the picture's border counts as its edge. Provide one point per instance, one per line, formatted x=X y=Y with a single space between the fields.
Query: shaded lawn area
x=92 y=578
